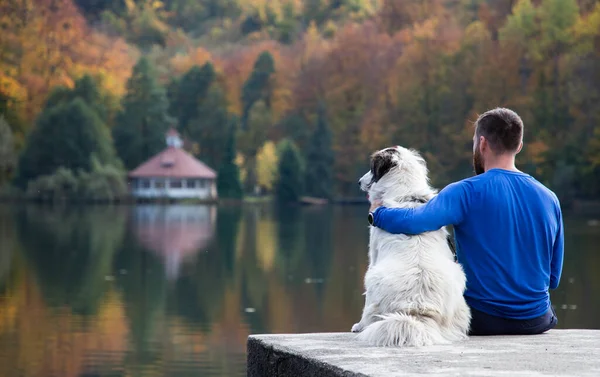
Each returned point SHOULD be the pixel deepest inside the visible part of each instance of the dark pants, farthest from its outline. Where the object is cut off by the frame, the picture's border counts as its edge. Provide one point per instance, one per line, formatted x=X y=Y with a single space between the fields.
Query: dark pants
x=485 y=324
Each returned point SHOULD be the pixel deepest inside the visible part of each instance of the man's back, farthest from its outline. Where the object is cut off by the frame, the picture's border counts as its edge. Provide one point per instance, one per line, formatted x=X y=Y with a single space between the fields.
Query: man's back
x=506 y=243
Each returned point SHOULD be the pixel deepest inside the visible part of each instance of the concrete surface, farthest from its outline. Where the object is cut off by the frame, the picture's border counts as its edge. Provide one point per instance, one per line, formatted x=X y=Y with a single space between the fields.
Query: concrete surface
x=555 y=353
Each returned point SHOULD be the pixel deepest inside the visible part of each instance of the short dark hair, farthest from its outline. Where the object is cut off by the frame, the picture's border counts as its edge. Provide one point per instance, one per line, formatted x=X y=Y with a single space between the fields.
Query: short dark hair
x=502 y=128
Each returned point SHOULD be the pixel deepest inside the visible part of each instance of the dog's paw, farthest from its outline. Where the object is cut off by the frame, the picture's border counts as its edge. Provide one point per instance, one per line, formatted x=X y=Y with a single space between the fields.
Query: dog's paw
x=356 y=328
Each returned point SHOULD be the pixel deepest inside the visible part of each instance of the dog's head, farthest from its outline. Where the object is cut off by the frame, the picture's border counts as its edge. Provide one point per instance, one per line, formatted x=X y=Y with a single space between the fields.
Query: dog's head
x=394 y=167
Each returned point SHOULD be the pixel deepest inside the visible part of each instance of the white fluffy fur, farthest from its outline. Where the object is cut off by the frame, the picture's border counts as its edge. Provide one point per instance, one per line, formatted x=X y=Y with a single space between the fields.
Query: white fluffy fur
x=414 y=288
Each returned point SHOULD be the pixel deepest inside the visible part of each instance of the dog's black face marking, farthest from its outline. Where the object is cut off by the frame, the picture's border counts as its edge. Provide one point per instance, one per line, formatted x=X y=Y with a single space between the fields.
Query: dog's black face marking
x=381 y=163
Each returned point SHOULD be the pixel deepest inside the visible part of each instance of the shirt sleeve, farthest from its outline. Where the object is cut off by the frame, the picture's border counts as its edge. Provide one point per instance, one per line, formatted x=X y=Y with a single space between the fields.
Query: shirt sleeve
x=448 y=207
x=556 y=263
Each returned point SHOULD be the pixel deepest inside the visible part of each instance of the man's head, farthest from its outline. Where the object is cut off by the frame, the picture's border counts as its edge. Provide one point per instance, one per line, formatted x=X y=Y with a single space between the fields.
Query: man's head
x=498 y=132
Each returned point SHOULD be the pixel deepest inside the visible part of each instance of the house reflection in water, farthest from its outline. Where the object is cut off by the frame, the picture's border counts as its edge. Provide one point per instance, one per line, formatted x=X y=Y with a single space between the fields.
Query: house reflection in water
x=177 y=233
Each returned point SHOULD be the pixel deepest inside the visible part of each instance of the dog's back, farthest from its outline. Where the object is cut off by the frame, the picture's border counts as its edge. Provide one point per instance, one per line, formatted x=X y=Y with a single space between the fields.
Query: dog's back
x=418 y=289
x=414 y=287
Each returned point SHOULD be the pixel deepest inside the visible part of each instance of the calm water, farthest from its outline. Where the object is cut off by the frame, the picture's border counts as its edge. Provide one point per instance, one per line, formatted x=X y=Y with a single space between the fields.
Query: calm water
x=176 y=290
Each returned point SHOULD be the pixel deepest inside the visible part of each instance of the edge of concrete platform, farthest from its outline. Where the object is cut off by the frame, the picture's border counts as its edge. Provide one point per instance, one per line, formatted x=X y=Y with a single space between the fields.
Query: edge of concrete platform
x=555 y=353
x=264 y=359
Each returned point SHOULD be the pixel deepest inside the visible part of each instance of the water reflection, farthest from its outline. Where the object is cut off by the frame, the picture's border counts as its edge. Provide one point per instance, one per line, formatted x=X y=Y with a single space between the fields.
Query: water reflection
x=176 y=232
x=176 y=290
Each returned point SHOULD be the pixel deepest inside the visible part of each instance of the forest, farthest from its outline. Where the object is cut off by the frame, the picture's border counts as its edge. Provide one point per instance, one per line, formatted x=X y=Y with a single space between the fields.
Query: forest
x=292 y=96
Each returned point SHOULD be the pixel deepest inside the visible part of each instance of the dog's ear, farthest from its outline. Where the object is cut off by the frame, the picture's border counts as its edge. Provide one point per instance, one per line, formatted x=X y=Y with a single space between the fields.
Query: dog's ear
x=381 y=163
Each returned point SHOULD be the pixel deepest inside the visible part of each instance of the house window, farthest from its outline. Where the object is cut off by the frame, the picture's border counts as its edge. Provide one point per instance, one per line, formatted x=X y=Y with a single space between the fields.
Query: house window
x=175 y=183
x=201 y=183
x=159 y=184
x=189 y=183
x=144 y=183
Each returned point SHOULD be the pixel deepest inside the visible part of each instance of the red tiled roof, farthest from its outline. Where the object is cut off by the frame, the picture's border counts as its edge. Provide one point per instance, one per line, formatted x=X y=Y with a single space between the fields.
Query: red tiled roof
x=173 y=162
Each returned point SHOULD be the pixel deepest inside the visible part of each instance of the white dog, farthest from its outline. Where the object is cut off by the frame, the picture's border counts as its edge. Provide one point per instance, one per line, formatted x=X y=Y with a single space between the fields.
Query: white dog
x=414 y=287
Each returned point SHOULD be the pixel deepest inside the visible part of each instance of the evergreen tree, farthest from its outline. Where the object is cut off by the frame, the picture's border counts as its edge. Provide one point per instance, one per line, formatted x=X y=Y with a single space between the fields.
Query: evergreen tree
x=290 y=183
x=68 y=135
x=140 y=127
x=191 y=92
x=228 y=179
x=258 y=86
x=252 y=138
x=85 y=88
x=296 y=128
x=209 y=128
x=319 y=159
x=7 y=150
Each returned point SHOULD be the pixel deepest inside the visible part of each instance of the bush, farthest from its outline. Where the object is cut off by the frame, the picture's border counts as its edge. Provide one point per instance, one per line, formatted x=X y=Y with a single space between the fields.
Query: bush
x=105 y=183
x=60 y=186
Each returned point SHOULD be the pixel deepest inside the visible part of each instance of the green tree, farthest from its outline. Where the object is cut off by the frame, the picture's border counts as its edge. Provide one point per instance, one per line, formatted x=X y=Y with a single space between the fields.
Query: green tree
x=68 y=135
x=93 y=9
x=85 y=88
x=252 y=138
x=7 y=151
x=209 y=127
x=557 y=18
x=315 y=10
x=295 y=127
x=320 y=159
x=228 y=179
x=140 y=127
x=191 y=93
x=290 y=183
x=259 y=85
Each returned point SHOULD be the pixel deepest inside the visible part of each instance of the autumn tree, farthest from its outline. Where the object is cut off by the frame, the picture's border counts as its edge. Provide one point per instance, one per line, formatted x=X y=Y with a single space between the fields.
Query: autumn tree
x=140 y=127
x=320 y=159
x=290 y=181
x=266 y=166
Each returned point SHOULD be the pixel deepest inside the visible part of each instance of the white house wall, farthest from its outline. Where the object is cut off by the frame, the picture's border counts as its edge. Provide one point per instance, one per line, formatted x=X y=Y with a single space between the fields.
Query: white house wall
x=206 y=192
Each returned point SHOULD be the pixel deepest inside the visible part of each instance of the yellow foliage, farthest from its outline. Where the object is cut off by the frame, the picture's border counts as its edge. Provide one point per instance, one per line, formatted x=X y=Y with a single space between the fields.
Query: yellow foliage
x=587 y=30
x=11 y=88
x=266 y=165
x=50 y=44
x=266 y=247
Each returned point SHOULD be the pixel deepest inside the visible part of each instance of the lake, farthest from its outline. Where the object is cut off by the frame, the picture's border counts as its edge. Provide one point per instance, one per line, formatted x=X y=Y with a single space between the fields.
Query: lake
x=153 y=290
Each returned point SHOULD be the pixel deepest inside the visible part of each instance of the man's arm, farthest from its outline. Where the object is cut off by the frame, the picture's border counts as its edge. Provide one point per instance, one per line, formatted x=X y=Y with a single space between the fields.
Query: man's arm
x=448 y=207
x=556 y=263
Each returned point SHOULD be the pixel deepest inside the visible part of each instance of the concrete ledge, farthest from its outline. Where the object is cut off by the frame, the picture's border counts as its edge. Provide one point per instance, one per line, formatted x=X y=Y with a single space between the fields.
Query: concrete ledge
x=555 y=353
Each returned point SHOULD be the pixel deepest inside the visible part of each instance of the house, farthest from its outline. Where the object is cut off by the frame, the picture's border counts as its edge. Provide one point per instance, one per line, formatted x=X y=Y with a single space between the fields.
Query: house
x=173 y=174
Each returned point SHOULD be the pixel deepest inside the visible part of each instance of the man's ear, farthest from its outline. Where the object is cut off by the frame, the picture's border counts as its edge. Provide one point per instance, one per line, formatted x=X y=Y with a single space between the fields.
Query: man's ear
x=520 y=147
x=483 y=144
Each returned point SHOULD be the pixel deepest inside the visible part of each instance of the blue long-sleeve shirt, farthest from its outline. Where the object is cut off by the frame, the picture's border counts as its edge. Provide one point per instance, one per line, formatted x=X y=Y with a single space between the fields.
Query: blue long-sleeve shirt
x=508 y=230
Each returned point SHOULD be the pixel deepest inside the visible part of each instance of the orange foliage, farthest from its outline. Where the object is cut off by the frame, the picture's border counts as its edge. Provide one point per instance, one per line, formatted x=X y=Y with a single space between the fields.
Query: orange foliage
x=49 y=44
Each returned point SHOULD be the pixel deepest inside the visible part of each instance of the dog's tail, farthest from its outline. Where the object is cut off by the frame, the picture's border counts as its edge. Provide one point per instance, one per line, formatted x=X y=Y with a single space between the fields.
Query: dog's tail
x=399 y=329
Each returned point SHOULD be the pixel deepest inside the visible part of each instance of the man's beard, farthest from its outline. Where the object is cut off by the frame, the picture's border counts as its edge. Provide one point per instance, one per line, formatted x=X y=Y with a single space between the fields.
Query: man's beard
x=478 y=162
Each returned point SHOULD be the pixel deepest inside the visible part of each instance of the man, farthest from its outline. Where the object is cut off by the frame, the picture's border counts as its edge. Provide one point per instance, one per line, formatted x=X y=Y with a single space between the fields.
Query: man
x=508 y=230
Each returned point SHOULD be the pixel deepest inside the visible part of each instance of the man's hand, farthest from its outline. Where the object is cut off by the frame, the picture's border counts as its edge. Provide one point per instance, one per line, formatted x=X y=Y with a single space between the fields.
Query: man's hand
x=376 y=204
